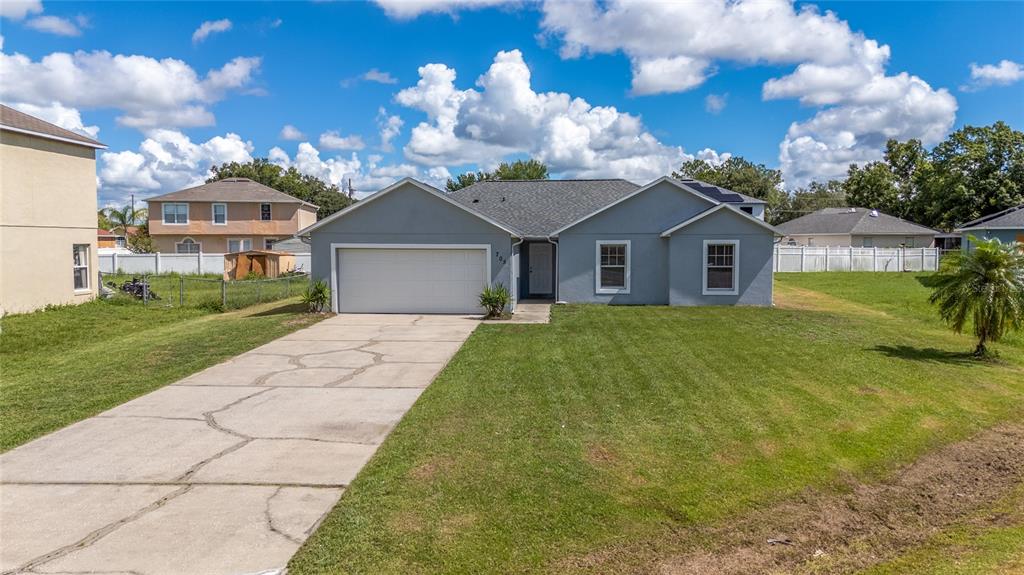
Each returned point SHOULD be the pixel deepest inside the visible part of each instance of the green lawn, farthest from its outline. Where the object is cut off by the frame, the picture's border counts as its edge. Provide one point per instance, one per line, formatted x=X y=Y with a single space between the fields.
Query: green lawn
x=65 y=364
x=541 y=447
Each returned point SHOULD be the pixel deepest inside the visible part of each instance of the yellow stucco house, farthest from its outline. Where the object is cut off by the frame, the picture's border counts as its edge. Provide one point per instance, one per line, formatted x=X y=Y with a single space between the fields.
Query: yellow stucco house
x=47 y=214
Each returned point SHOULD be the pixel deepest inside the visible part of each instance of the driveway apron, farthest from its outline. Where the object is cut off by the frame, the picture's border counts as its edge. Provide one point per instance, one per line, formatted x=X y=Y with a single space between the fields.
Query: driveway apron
x=225 y=472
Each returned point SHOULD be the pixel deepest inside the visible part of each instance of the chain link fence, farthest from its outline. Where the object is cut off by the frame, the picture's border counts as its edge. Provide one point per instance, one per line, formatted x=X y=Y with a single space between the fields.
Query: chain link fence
x=201 y=291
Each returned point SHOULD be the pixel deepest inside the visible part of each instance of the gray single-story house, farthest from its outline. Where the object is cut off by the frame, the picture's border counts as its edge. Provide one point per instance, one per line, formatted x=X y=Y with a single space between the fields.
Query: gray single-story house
x=855 y=227
x=1007 y=225
x=411 y=248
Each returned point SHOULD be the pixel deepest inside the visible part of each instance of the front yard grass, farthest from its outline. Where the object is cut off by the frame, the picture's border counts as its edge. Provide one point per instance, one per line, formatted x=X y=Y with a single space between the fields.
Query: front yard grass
x=62 y=365
x=598 y=442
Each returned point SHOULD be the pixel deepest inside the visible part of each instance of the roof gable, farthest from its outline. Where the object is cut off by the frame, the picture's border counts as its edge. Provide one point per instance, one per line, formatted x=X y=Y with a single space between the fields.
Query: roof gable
x=716 y=209
x=230 y=190
x=369 y=200
x=538 y=207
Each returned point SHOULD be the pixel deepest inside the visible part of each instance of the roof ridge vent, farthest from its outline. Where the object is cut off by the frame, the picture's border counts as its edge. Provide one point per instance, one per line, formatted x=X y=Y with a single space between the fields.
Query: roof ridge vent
x=873 y=213
x=852 y=210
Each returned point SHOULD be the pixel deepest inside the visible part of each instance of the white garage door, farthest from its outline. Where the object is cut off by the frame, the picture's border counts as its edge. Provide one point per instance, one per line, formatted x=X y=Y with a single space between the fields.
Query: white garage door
x=407 y=280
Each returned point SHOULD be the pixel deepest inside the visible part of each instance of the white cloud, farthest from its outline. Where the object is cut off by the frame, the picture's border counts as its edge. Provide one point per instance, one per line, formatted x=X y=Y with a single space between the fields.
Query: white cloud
x=375 y=75
x=19 y=9
x=290 y=132
x=55 y=113
x=210 y=27
x=166 y=160
x=332 y=140
x=1004 y=73
x=390 y=127
x=408 y=9
x=149 y=92
x=506 y=116
x=674 y=47
x=715 y=103
x=54 y=25
x=366 y=177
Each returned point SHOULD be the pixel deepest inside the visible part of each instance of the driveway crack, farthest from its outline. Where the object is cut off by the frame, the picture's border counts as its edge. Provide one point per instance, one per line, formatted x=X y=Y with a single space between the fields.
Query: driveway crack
x=270 y=519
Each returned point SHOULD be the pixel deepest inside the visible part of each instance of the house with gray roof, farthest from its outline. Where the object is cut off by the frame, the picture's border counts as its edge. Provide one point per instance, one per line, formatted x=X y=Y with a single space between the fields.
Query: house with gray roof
x=1007 y=225
x=411 y=248
x=855 y=227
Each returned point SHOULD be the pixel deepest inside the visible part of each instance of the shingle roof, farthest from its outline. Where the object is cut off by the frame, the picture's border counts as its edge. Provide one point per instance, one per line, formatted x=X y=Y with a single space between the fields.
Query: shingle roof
x=539 y=207
x=1008 y=218
x=851 y=221
x=230 y=190
x=14 y=120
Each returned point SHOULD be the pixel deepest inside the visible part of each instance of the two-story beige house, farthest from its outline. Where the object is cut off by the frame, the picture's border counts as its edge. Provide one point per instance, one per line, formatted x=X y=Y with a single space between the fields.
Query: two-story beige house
x=229 y=215
x=47 y=214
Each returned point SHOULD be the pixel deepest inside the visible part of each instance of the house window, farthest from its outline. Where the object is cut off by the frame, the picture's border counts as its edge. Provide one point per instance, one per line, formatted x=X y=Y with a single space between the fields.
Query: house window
x=268 y=243
x=869 y=242
x=220 y=214
x=80 y=267
x=613 y=261
x=720 y=257
x=188 y=246
x=810 y=241
x=239 y=245
x=175 y=214
x=265 y=212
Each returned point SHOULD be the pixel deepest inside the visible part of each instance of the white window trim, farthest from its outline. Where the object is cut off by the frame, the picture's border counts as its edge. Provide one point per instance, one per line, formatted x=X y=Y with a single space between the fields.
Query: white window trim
x=88 y=269
x=163 y=213
x=227 y=244
x=271 y=211
x=176 y=244
x=335 y=247
x=597 y=267
x=213 y=213
x=735 y=268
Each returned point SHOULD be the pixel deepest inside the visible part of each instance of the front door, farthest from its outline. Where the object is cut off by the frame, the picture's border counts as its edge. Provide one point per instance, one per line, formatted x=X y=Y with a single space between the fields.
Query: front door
x=540 y=269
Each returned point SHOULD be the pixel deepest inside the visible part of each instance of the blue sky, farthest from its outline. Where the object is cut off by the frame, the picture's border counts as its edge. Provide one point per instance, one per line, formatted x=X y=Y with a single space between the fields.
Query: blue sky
x=647 y=89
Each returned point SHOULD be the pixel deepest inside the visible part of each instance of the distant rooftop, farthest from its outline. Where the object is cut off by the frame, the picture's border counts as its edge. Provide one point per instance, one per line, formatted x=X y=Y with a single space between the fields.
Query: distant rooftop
x=1008 y=218
x=230 y=190
x=855 y=221
x=15 y=121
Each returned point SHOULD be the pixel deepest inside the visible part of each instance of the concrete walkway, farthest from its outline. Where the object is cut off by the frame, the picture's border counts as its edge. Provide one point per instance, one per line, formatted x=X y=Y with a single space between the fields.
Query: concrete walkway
x=225 y=472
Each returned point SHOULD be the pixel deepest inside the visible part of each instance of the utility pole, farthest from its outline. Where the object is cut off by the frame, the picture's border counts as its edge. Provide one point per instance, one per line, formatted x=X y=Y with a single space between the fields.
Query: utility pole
x=133 y=212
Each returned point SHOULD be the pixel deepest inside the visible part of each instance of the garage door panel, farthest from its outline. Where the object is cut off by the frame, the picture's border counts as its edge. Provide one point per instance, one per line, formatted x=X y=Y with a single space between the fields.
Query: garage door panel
x=404 y=280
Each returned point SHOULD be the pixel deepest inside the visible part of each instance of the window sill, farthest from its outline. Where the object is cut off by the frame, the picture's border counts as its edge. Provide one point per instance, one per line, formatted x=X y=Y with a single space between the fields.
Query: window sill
x=83 y=291
x=720 y=292
x=612 y=291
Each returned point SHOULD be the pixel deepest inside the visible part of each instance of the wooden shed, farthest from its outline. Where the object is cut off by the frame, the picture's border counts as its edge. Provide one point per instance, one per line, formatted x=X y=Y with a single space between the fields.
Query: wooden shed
x=267 y=263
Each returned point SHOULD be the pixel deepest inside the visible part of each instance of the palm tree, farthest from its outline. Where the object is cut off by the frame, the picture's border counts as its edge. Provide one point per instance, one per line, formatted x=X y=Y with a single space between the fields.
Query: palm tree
x=122 y=219
x=985 y=284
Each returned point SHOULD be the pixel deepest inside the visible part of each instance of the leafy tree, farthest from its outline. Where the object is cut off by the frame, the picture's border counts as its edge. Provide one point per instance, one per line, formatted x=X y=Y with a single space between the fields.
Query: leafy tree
x=743 y=176
x=140 y=242
x=985 y=285
x=124 y=218
x=517 y=170
x=976 y=171
x=873 y=186
x=812 y=198
x=102 y=221
x=290 y=181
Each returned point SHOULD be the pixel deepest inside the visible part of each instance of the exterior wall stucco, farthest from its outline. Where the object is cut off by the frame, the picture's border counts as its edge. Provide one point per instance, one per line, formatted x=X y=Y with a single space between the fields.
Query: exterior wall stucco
x=243 y=221
x=641 y=219
x=686 y=261
x=409 y=215
x=211 y=243
x=47 y=204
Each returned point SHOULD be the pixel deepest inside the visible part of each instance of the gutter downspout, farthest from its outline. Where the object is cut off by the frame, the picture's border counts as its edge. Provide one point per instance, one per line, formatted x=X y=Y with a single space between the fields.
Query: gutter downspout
x=515 y=273
x=557 y=255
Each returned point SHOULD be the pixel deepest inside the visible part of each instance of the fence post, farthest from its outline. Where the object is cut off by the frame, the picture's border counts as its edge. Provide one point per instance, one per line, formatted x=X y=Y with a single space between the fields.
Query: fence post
x=157 y=262
x=851 y=257
x=223 y=294
x=259 y=291
x=803 y=257
x=145 y=290
x=826 y=257
x=113 y=266
x=199 y=265
x=181 y=291
x=874 y=258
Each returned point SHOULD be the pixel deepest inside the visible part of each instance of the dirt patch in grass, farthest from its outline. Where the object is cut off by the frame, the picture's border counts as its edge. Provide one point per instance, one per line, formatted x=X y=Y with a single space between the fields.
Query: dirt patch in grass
x=809 y=300
x=864 y=525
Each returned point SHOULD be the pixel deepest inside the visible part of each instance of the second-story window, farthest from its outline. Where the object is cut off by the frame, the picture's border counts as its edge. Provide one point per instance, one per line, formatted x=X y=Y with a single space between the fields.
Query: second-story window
x=220 y=214
x=265 y=212
x=175 y=213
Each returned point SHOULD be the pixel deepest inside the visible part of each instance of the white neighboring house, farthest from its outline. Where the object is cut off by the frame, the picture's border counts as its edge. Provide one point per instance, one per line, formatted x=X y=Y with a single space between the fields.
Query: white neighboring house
x=855 y=227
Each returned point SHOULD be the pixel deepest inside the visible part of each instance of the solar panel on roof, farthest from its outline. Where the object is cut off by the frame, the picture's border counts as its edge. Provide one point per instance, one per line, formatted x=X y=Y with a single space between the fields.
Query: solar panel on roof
x=715 y=193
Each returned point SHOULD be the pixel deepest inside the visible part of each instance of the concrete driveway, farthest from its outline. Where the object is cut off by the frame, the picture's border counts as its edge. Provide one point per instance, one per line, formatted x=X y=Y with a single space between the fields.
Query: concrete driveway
x=227 y=471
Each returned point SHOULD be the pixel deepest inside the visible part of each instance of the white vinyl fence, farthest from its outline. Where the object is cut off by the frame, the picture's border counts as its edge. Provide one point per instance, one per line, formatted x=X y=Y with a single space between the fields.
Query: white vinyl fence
x=842 y=259
x=159 y=263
